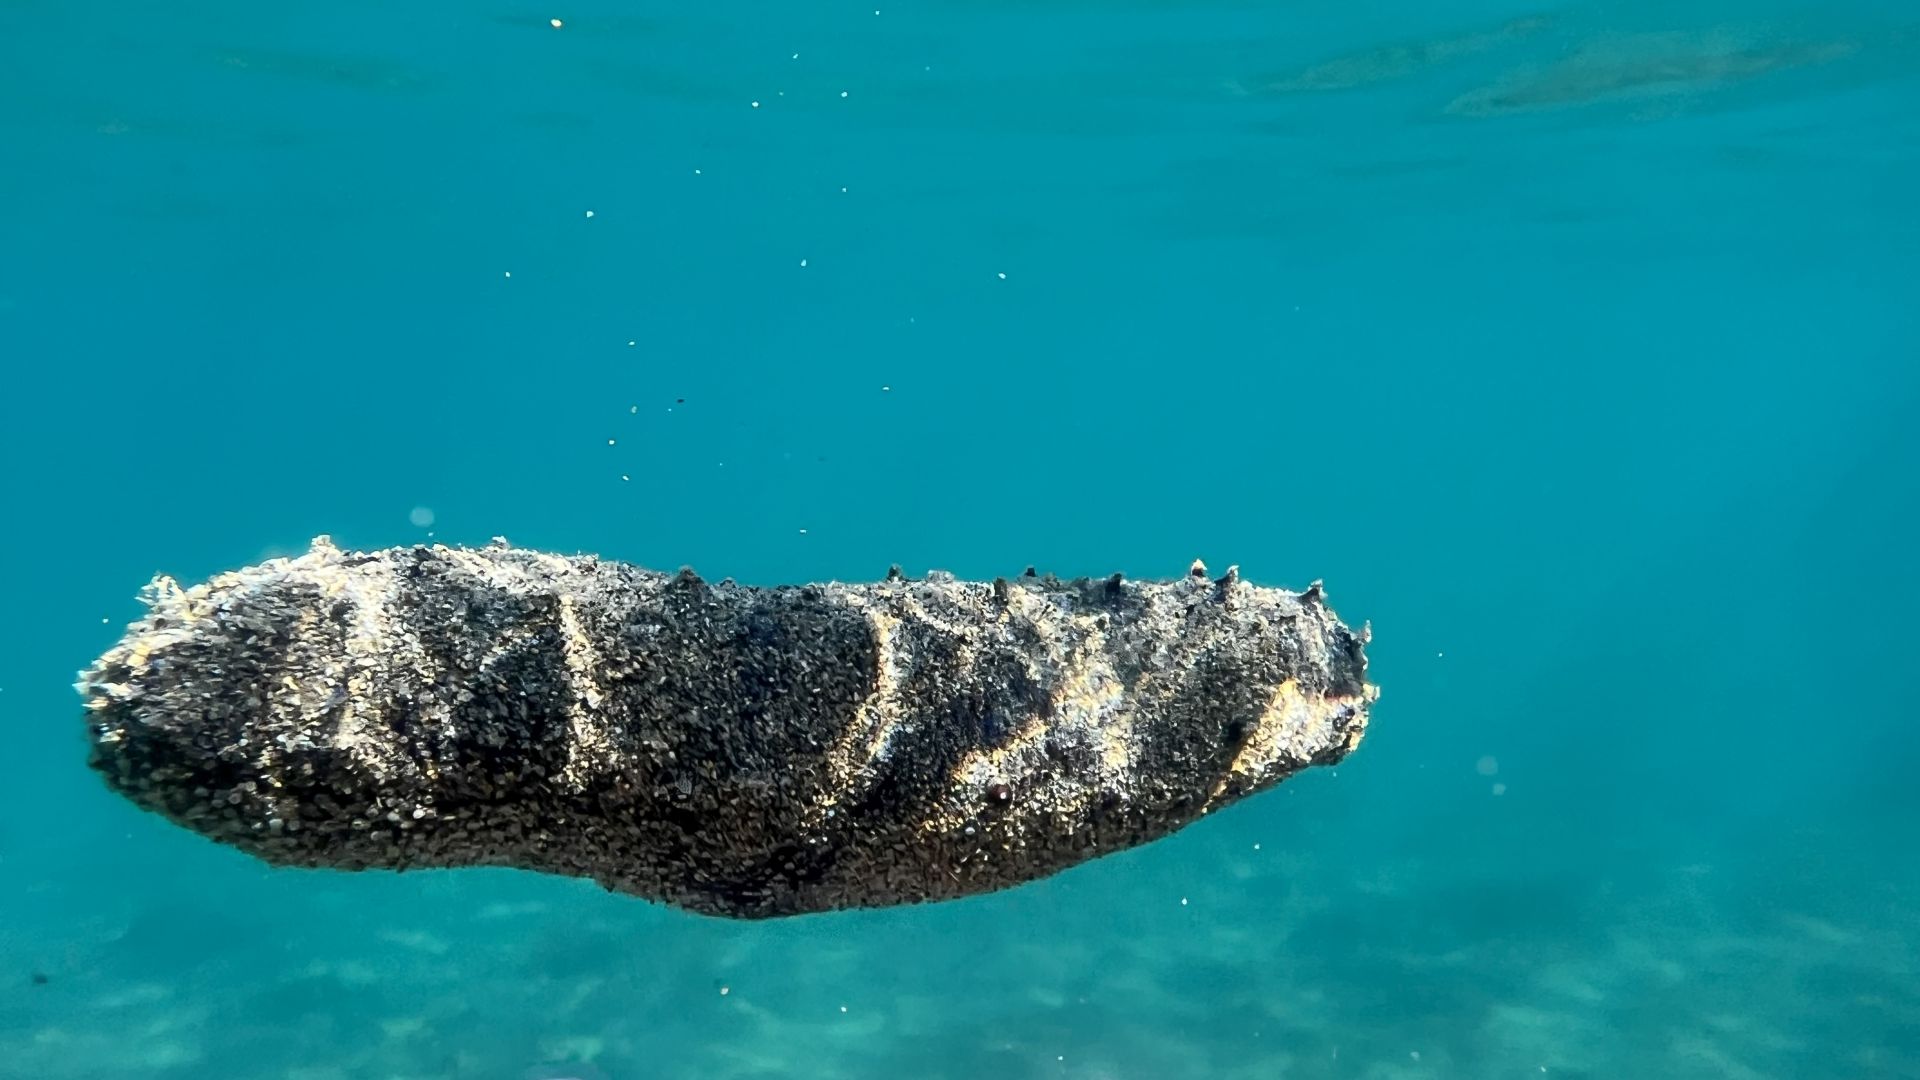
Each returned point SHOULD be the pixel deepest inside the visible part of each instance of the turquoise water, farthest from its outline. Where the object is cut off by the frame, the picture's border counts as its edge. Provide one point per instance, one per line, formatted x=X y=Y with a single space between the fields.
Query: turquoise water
x=1576 y=348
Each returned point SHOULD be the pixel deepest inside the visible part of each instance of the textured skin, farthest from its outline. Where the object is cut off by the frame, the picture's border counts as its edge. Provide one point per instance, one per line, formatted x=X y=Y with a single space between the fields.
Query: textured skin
x=738 y=751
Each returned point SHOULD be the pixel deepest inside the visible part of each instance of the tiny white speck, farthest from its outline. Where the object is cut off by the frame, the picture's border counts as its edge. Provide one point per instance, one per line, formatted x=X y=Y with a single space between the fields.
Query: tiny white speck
x=1003 y=277
x=843 y=191
x=843 y=93
x=886 y=388
x=696 y=172
x=631 y=344
x=1183 y=901
x=843 y=1008
x=624 y=476
x=1439 y=654
x=589 y=213
x=723 y=991
x=103 y=622
x=756 y=104
x=633 y=410
x=1414 y=1054
x=803 y=262
x=803 y=532
x=1256 y=847
x=555 y=23
x=421 y=516
x=509 y=273
x=796 y=56
x=609 y=442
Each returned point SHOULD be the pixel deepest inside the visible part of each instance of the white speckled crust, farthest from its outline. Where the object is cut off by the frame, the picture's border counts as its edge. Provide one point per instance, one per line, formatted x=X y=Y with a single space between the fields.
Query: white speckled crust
x=747 y=752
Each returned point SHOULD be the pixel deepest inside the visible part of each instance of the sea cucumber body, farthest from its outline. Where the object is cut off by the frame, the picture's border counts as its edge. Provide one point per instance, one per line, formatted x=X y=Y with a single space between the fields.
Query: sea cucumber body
x=734 y=750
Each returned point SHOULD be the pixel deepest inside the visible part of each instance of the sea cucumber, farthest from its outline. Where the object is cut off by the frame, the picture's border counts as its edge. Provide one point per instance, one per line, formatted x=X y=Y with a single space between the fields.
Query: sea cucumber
x=733 y=750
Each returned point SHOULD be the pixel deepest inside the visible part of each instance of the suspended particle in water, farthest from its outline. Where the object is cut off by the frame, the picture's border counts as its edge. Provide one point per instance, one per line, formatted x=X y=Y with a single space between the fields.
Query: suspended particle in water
x=1487 y=766
x=555 y=23
x=420 y=516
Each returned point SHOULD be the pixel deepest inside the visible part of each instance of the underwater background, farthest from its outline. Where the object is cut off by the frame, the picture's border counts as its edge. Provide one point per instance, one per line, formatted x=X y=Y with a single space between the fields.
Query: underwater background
x=1576 y=347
